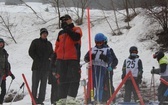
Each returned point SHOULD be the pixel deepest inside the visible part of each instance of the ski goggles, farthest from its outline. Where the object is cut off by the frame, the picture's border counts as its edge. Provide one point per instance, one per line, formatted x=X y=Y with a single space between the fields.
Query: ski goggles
x=99 y=43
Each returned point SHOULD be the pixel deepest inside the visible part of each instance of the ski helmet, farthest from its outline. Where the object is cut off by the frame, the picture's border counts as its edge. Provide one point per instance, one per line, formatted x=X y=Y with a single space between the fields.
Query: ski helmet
x=158 y=55
x=133 y=49
x=99 y=37
x=105 y=39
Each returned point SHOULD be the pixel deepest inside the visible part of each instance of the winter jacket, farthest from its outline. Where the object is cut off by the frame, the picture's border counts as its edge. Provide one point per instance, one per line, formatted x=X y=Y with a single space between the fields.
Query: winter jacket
x=40 y=51
x=96 y=60
x=133 y=64
x=67 y=46
x=5 y=66
x=163 y=62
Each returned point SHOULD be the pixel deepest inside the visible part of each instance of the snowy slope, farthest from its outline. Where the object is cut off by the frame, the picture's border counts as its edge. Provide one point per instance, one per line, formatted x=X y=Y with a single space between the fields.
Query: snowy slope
x=26 y=28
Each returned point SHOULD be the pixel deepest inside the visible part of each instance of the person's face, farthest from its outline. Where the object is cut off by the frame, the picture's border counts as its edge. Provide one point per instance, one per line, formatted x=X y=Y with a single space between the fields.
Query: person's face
x=1 y=44
x=68 y=21
x=99 y=43
x=44 y=35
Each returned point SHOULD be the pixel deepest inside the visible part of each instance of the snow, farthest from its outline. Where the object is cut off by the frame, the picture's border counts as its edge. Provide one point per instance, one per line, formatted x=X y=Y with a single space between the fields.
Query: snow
x=26 y=28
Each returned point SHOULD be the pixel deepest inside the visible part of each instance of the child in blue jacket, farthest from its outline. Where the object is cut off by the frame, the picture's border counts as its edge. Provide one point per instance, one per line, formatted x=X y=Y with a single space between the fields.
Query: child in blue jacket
x=101 y=62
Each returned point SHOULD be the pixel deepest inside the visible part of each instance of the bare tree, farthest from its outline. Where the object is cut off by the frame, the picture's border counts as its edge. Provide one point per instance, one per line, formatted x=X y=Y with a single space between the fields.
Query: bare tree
x=33 y=11
x=116 y=21
x=79 y=10
x=7 y=25
x=56 y=5
x=160 y=13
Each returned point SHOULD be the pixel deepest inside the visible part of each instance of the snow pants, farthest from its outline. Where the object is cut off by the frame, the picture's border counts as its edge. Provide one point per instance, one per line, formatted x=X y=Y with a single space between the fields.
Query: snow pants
x=98 y=81
x=129 y=88
x=3 y=91
x=68 y=73
x=108 y=84
x=39 y=78
x=162 y=89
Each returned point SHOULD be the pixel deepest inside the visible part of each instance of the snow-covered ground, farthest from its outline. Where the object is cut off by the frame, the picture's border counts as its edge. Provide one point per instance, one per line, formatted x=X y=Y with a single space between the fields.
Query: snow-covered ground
x=26 y=27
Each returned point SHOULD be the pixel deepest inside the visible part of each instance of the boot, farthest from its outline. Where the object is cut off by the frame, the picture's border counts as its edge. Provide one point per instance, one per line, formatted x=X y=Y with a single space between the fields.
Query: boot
x=71 y=101
x=61 y=101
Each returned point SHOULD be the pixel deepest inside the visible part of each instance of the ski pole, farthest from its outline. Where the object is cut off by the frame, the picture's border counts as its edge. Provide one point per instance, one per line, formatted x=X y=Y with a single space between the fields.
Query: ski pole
x=109 y=83
x=9 y=86
x=83 y=64
x=17 y=93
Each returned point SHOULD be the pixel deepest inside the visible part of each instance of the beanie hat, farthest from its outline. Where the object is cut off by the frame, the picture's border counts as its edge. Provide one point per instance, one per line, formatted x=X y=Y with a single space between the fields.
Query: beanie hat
x=42 y=30
x=133 y=49
x=65 y=17
x=1 y=40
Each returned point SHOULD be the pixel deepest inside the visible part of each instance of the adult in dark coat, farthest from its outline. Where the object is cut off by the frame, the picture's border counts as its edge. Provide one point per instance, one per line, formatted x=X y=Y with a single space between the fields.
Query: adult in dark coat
x=40 y=51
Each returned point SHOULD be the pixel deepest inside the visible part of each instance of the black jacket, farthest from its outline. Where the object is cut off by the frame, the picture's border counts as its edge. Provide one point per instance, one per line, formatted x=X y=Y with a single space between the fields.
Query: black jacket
x=6 y=69
x=40 y=51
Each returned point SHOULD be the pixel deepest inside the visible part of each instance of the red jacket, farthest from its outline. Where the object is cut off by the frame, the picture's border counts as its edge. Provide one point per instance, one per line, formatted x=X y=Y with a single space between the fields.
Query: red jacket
x=66 y=43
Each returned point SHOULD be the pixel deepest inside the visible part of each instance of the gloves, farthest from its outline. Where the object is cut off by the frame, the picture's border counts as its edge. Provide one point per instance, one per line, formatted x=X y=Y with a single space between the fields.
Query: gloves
x=122 y=76
x=103 y=57
x=109 y=68
x=64 y=25
x=155 y=71
x=152 y=71
x=12 y=76
x=139 y=79
x=93 y=56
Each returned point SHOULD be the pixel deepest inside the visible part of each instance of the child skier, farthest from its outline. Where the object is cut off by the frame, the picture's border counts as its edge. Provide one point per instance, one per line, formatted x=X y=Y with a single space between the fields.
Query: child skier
x=133 y=64
x=4 y=70
x=101 y=62
x=108 y=81
x=163 y=71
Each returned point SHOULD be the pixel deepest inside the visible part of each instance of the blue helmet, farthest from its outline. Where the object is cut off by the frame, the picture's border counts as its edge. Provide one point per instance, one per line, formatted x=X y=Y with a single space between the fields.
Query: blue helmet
x=99 y=37
x=105 y=39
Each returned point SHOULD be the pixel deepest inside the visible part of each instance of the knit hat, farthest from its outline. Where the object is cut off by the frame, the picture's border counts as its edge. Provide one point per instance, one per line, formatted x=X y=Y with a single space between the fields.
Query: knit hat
x=65 y=17
x=1 y=40
x=42 y=30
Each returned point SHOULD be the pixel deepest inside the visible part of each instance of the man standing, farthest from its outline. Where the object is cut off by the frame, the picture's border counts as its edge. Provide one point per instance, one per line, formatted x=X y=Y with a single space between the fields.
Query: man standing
x=40 y=51
x=67 y=49
x=4 y=70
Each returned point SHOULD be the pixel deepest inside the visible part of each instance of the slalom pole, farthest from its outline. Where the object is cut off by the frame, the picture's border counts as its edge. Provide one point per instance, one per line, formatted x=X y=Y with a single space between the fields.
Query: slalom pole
x=90 y=57
x=30 y=93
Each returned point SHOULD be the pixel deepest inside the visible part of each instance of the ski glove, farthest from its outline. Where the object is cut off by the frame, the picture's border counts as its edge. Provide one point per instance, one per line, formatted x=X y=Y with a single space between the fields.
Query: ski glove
x=103 y=57
x=109 y=68
x=12 y=76
x=64 y=25
x=139 y=79
x=155 y=71
x=93 y=56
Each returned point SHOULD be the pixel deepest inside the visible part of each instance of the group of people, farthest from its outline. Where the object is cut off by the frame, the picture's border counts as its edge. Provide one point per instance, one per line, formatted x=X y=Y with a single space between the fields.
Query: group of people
x=61 y=67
